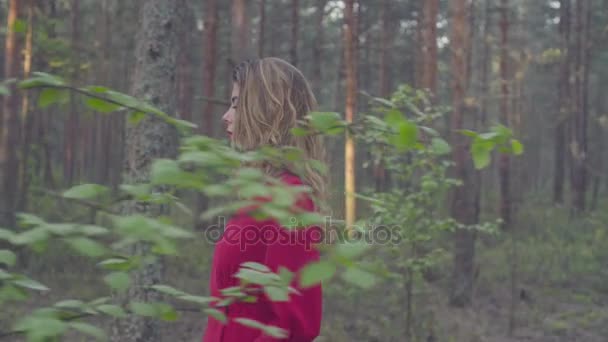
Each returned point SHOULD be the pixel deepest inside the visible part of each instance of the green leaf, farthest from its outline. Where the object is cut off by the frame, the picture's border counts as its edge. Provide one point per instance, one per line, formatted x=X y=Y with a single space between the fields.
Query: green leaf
x=197 y=299
x=41 y=328
x=440 y=146
x=85 y=191
x=276 y=293
x=298 y=131
x=359 y=277
x=118 y=280
x=30 y=284
x=517 y=147
x=143 y=309
x=31 y=236
x=267 y=329
x=351 y=250
x=89 y=329
x=112 y=310
x=117 y=264
x=20 y=26
x=97 y=89
x=256 y=266
x=326 y=122
x=41 y=79
x=167 y=313
x=7 y=257
x=101 y=106
x=168 y=290
x=70 y=304
x=136 y=117
x=256 y=277
x=394 y=118
x=384 y=102
x=86 y=246
x=407 y=136
x=468 y=133
x=317 y=272
x=217 y=314
x=49 y=96
x=480 y=151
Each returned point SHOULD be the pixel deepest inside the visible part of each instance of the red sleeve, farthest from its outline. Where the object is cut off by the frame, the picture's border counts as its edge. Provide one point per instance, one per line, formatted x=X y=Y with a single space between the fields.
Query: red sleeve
x=300 y=316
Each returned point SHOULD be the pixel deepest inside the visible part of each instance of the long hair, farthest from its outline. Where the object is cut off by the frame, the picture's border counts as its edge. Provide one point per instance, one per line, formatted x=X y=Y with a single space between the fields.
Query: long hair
x=274 y=97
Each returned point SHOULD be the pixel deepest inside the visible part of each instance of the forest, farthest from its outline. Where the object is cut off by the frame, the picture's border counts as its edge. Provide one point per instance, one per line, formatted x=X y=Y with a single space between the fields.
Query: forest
x=464 y=147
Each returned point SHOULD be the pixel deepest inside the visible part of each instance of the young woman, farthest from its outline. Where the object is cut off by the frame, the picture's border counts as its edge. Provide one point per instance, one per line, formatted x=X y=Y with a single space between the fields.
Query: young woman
x=269 y=98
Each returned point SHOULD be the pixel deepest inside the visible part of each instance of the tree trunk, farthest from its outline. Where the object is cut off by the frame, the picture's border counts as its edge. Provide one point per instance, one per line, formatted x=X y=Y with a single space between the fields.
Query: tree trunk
x=185 y=90
x=295 y=30
x=72 y=126
x=351 y=102
x=262 y=37
x=210 y=53
x=317 y=52
x=240 y=34
x=380 y=174
x=154 y=80
x=579 y=128
x=564 y=90
x=504 y=168
x=464 y=208
x=10 y=126
x=428 y=47
x=27 y=120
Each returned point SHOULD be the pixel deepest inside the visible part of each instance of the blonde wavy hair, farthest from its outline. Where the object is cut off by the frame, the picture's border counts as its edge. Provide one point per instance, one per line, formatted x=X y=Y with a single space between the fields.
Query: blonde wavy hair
x=274 y=97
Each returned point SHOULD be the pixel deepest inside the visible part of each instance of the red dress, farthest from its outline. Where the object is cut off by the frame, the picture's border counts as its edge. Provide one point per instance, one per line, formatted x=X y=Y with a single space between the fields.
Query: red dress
x=266 y=242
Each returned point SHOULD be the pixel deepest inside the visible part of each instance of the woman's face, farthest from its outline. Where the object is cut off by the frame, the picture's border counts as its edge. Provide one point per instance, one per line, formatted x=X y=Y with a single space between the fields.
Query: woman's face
x=228 y=117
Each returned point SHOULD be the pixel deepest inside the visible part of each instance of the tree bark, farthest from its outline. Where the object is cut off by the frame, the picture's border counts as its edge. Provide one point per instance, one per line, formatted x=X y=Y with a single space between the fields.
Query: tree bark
x=262 y=36
x=185 y=90
x=464 y=208
x=9 y=123
x=72 y=125
x=317 y=53
x=579 y=128
x=564 y=100
x=240 y=35
x=351 y=102
x=295 y=30
x=210 y=53
x=27 y=120
x=428 y=47
x=504 y=168
x=154 y=79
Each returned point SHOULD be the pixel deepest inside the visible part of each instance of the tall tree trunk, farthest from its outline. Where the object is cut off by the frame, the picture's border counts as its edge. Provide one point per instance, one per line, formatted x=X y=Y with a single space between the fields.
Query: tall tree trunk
x=564 y=90
x=27 y=120
x=380 y=174
x=262 y=37
x=504 y=168
x=210 y=53
x=486 y=61
x=240 y=32
x=428 y=47
x=350 y=51
x=317 y=52
x=10 y=126
x=579 y=128
x=295 y=30
x=464 y=208
x=154 y=80
x=185 y=90
x=72 y=126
